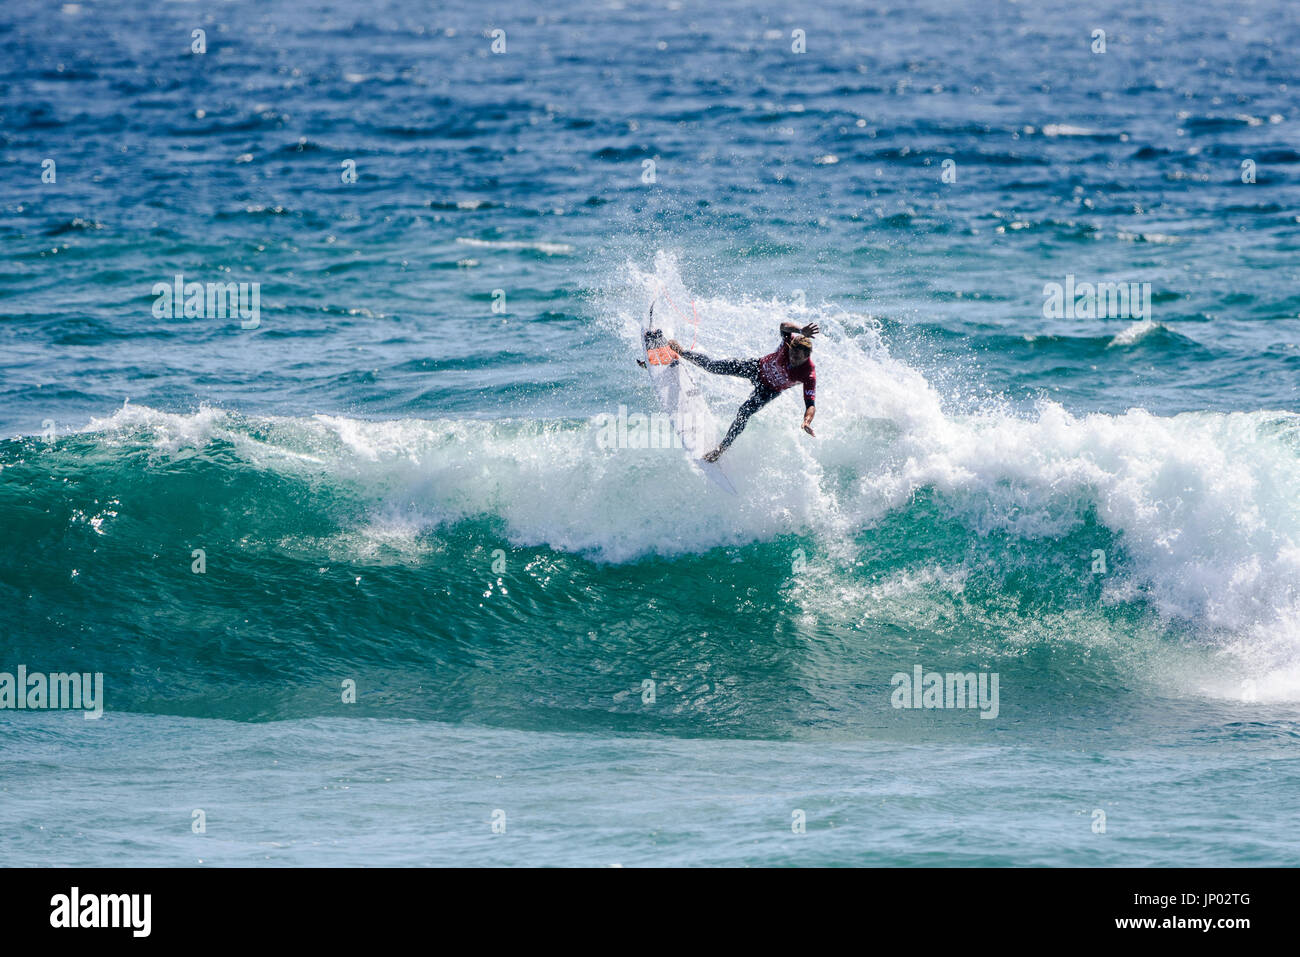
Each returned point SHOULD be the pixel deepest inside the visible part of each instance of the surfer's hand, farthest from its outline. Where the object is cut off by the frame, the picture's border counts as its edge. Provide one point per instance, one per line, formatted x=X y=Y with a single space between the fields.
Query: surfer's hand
x=641 y=363
x=675 y=346
x=811 y=329
x=712 y=456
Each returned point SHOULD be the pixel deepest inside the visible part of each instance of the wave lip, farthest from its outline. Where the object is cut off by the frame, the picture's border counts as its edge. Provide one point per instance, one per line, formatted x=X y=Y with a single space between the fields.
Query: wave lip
x=1138 y=331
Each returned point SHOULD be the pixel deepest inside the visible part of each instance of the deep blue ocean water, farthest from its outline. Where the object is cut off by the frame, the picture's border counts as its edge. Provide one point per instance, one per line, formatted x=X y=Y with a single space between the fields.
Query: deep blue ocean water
x=569 y=654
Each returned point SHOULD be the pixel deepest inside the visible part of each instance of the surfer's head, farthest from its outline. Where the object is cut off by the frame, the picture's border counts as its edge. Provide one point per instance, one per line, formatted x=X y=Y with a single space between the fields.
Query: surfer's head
x=800 y=350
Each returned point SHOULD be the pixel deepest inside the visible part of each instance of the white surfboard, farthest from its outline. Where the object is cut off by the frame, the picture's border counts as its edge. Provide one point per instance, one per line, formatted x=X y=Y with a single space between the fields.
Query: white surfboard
x=680 y=398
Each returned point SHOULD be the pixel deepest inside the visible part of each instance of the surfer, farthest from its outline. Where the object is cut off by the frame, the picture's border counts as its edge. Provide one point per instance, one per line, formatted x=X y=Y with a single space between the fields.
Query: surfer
x=771 y=375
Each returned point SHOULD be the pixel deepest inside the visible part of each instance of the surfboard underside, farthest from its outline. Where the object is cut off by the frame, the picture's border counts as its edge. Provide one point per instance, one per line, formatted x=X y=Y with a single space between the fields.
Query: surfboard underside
x=681 y=399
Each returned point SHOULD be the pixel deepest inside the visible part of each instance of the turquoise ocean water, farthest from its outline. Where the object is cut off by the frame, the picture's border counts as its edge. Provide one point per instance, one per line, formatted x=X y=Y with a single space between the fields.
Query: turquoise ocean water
x=566 y=653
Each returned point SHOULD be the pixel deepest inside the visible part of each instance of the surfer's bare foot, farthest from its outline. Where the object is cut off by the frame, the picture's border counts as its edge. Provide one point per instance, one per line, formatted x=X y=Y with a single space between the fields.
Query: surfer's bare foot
x=675 y=346
x=712 y=456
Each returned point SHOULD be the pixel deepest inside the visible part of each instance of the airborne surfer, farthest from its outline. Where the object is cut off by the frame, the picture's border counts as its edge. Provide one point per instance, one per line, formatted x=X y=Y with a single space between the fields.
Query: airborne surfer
x=771 y=375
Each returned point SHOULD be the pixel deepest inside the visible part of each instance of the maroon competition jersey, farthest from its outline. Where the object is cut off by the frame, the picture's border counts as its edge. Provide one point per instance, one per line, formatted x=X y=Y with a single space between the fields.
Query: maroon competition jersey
x=775 y=371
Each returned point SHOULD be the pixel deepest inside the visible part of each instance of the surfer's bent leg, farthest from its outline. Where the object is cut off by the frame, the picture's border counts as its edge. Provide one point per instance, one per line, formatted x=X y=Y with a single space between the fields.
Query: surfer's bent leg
x=756 y=401
x=745 y=368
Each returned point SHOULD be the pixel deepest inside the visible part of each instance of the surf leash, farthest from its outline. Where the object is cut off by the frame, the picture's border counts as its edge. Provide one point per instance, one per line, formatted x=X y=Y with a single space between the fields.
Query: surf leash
x=695 y=335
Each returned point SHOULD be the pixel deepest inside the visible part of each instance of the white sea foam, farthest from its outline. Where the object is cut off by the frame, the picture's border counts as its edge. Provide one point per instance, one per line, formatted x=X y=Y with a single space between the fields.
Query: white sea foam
x=551 y=249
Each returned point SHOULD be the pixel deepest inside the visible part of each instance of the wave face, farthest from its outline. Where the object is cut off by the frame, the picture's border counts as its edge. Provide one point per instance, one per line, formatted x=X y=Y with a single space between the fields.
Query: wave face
x=520 y=571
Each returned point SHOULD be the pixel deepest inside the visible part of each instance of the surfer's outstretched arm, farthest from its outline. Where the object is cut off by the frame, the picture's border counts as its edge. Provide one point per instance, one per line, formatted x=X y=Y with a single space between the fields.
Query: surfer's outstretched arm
x=809 y=402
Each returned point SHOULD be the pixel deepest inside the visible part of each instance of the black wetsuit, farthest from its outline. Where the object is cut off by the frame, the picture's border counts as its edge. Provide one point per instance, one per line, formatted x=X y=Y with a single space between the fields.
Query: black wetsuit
x=744 y=369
